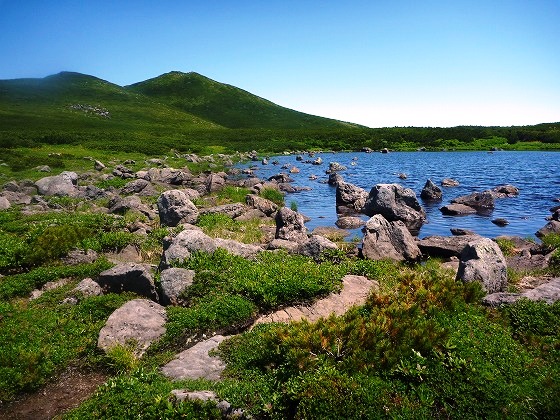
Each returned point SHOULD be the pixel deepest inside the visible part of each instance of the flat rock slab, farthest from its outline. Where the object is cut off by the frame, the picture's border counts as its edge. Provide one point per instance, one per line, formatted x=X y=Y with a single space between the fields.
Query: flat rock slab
x=196 y=363
x=548 y=292
x=355 y=290
x=141 y=321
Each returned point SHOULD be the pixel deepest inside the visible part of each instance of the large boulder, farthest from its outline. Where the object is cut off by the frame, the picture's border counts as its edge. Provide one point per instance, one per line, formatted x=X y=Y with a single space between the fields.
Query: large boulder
x=335 y=178
x=175 y=207
x=232 y=210
x=431 y=192
x=482 y=261
x=262 y=204
x=551 y=227
x=138 y=321
x=121 y=205
x=290 y=225
x=349 y=196
x=392 y=240
x=396 y=203
x=445 y=246
x=4 y=203
x=175 y=281
x=349 y=222
x=63 y=185
x=548 y=292
x=169 y=175
x=214 y=183
x=184 y=244
x=315 y=246
x=129 y=277
x=238 y=248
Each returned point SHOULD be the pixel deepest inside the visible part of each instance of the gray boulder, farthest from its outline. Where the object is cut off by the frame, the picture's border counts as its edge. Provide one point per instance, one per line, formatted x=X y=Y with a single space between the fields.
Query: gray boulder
x=4 y=203
x=63 y=185
x=262 y=204
x=134 y=187
x=551 y=227
x=99 y=166
x=350 y=196
x=196 y=362
x=186 y=242
x=174 y=208
x=335 y=167
x=290 y=225
x=121 y=205
x=482 y=260
x=431 y=191
x=548 y=292
x=138 y=321
x=349 y=222
x=238 y=248
x=445 y=246
x=284 y=244
x=129 y=277
x=335 y=179
x=396 y=203
x=169 y=175
x=88 y=287
x=232 y=210
x=315 y=246
x=214 y=183
x=388 y=240
x=174 y=281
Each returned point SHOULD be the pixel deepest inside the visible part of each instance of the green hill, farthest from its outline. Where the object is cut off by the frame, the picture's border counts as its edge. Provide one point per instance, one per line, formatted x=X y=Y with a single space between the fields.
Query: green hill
x=224 y=104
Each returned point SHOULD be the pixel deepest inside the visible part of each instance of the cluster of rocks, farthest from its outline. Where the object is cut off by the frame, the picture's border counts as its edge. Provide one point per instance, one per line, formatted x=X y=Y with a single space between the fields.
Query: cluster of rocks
x=91 y=109
x=395 y=218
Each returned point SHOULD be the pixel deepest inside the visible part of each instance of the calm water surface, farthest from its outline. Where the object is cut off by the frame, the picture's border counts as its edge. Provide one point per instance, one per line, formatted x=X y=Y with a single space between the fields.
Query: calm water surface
x=536 y=174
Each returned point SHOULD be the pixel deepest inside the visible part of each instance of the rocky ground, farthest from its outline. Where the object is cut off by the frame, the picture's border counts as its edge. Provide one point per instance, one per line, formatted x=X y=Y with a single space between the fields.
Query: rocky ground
x=166 y=196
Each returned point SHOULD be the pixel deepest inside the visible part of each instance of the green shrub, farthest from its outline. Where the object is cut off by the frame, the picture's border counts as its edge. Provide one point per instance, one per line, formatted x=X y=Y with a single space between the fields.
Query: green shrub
x=273 y=195
x=142 y=394
x=506 y=246
x=231 y=194
x=219 y=225
x=40 y=339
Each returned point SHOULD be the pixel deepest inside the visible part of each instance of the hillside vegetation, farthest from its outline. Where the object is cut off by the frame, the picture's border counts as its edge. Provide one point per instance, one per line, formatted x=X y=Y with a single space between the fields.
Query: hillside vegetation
x=192 y=113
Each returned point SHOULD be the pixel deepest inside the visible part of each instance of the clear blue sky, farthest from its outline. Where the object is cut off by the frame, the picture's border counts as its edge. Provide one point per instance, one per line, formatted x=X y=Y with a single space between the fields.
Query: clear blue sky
x=377 y=63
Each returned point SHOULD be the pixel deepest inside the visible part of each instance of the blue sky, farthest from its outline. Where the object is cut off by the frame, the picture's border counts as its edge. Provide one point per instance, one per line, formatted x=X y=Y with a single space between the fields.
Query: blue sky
x=377 y=63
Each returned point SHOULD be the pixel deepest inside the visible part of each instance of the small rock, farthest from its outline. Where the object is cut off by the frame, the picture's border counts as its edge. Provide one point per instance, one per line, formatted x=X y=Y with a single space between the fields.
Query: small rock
x=449 y=182
x=500 y=222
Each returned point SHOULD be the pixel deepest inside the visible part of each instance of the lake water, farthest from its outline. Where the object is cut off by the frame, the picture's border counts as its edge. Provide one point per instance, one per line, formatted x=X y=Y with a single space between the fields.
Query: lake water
x=536 y=174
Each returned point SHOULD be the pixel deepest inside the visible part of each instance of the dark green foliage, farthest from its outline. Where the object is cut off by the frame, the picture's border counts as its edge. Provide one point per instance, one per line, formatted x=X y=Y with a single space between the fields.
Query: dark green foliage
x=268 y=281
x=41 y=338
x=191 y=113
x=29 y=241
x=273 y=195
x=22 y=284
x=419 y=350
x=142 y=394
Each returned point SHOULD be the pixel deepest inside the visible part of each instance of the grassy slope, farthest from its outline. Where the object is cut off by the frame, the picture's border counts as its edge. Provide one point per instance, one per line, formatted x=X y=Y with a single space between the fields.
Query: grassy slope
x=224 y=104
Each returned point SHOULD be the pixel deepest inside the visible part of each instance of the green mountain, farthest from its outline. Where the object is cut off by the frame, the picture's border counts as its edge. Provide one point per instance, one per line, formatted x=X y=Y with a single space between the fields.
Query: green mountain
x=224 y=104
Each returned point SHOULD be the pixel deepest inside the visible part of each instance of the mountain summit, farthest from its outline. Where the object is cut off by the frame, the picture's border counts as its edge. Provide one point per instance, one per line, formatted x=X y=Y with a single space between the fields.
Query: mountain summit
x=224 y=104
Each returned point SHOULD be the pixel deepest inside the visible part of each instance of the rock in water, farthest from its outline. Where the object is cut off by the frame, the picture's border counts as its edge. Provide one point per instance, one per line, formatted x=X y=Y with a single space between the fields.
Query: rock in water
x=394 y=203
x=482 y=261
x=431 y=191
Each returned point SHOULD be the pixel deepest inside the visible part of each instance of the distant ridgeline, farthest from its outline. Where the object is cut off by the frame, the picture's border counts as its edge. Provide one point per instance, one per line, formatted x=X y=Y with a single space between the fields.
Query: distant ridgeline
x=192 y=113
